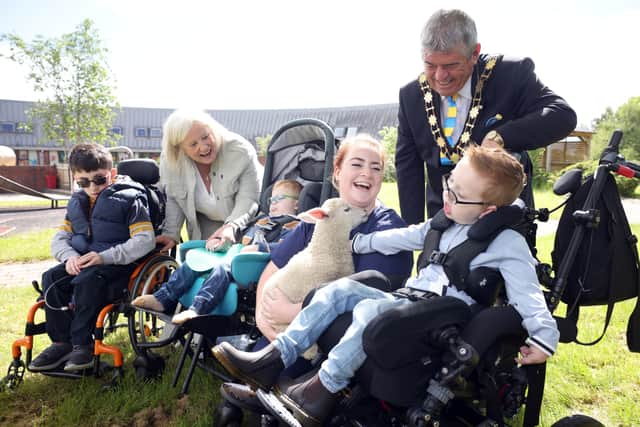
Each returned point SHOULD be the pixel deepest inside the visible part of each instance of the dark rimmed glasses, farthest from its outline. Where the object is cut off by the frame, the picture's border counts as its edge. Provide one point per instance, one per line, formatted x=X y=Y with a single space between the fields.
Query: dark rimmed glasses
x=97 y=180
x=281 y=197
x=453 y=196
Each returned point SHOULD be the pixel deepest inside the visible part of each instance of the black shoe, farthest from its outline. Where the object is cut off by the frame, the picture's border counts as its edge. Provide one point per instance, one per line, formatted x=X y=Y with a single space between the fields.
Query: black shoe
x=309 y=401
x=259 y=369
x=242 y=396
x=81 y=358
x=51 y=357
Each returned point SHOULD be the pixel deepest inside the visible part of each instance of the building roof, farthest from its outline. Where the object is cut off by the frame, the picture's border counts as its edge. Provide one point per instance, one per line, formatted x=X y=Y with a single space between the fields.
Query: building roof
x=142 y=127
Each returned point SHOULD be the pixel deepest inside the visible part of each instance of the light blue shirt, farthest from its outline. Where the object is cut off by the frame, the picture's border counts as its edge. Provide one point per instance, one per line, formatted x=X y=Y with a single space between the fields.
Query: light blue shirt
x=508 y=253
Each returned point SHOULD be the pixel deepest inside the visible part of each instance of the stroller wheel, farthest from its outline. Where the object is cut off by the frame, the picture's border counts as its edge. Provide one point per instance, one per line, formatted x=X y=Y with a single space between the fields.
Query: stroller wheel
x=577 y=421
x=227 y=415
x=149 y=365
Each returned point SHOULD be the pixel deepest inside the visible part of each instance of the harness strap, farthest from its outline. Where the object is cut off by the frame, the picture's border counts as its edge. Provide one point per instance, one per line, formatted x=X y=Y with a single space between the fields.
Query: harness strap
x=456 y=261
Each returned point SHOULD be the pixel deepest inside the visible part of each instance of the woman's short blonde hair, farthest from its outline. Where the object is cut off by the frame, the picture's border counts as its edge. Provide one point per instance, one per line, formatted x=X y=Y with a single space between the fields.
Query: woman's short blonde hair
x=178 y=125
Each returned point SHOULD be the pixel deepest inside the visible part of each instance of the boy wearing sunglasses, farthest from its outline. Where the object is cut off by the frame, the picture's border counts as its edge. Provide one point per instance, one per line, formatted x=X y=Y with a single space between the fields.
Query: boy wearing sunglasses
x=105 y=230
x=266 y=231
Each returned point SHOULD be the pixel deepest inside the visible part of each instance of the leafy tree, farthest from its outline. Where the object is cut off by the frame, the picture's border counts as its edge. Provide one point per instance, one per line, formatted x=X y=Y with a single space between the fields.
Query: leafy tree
x=262 y=143
x=389 y=135
x=72 y=75
x=625 y=118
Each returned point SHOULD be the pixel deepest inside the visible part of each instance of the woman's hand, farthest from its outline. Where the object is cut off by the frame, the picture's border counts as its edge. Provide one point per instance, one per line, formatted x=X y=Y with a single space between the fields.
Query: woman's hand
x=277 y=309
x=531 y=355
x=250 y=248
x=166 y=242
x=224 y=236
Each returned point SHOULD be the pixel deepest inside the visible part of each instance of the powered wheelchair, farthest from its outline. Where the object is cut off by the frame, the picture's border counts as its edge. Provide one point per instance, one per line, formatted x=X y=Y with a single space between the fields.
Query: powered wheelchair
x=152 y=269
x=439 y=362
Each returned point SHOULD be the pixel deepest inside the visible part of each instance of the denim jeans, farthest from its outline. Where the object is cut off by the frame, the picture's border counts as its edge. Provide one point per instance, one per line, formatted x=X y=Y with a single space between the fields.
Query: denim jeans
x=208 y=297
x=329 y=302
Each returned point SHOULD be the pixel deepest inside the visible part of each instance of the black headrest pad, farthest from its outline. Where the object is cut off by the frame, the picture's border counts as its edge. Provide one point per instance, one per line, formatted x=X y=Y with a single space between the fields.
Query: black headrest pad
x=144 y=171
x=504 y=216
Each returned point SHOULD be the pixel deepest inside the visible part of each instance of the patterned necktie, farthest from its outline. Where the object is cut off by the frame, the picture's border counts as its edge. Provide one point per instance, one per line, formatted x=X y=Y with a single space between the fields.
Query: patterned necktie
x=449 y=126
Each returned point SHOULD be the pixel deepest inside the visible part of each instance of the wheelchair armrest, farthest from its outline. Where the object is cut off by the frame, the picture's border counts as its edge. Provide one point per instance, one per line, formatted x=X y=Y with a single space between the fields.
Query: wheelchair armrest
x=247 y=267
x=191 y=244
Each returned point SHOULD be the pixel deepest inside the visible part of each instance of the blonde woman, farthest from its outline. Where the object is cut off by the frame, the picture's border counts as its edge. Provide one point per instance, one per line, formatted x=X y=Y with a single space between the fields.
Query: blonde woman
x=212 y=179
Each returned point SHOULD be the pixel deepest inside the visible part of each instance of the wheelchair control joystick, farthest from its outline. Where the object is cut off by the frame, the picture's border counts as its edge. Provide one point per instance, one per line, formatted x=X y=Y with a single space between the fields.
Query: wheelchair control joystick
x=464 y=358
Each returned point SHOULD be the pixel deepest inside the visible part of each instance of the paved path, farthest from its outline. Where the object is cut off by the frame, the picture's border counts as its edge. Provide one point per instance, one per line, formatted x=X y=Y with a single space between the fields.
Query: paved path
x=22 y=273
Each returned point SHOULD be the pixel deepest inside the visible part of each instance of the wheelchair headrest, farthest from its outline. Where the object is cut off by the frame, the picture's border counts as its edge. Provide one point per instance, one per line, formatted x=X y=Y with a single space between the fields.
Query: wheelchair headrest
x=144 y=171
x=310 y=196
x=311 y=170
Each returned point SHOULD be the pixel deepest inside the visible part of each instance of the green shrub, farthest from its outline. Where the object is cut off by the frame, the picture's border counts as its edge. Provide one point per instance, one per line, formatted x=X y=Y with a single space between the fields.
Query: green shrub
x=389 y=135
x=626 y=186
x=541 y=178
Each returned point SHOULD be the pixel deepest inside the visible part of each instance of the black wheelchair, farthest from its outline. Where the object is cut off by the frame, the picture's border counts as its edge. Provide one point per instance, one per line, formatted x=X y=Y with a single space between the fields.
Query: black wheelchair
x=438 y=362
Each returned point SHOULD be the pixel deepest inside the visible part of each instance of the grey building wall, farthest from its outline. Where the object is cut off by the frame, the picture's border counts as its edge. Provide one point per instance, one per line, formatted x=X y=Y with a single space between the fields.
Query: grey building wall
x=135 y=122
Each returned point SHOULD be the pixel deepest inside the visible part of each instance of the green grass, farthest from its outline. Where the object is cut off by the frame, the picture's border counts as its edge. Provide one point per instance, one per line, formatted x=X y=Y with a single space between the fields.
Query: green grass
x=25 y=247
x=601 y=381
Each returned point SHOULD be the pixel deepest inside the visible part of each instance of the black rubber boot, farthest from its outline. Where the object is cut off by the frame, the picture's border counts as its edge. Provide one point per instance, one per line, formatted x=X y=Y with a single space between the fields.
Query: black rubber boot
x=309 y=401
x=259 y=369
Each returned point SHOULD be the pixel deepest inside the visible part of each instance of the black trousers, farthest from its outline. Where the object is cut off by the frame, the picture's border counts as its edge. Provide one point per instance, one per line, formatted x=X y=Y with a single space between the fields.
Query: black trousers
x=86 y=294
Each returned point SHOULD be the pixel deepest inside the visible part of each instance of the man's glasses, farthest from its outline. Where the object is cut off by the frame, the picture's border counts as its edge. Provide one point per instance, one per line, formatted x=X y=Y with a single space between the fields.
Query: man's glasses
x=97 y=180
x=453 y=196
x=281 y=197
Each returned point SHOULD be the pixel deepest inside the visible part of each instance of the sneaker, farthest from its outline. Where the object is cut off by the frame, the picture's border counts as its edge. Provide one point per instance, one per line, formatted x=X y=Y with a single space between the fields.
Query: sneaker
x=80 y=358
x=51 y=357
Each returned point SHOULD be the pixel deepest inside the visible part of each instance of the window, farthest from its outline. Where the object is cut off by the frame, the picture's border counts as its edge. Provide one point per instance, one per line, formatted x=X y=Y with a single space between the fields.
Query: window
x=339 y=132
x=155 y=132
x=23 y=127
x=7 y=127
x=352 y=131
x=117 y=130
x=141 y=132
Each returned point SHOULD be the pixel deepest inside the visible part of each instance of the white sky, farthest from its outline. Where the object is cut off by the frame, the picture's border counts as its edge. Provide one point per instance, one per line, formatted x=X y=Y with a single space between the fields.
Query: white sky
x=246 y=54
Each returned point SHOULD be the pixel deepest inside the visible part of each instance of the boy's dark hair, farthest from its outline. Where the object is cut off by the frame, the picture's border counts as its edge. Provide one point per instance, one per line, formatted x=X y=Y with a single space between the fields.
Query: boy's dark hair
x=89 y=157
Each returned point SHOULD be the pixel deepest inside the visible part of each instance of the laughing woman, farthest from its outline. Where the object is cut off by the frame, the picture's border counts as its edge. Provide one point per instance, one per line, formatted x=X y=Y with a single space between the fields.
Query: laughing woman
x=212 y=179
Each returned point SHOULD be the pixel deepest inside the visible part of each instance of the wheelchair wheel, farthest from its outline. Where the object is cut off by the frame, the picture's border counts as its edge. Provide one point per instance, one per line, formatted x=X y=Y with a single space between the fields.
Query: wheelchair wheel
x=227 y=415
x=577 y=421
x=148 y=329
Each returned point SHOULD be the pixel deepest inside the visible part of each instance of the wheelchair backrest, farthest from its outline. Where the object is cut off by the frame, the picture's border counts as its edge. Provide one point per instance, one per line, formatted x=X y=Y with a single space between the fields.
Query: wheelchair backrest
x=147 y=173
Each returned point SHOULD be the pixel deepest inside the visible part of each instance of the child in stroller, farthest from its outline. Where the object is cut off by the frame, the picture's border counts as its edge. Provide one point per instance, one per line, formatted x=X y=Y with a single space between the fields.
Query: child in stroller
x=267 y=229
x=480 y=189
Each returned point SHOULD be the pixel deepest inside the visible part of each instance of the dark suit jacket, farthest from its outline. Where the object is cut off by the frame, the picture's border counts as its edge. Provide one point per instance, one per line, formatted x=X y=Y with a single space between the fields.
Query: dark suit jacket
x=532 y=117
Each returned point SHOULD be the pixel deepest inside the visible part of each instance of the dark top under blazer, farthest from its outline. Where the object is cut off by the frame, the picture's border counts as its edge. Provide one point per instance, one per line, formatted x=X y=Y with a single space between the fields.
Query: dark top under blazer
x=532 y=117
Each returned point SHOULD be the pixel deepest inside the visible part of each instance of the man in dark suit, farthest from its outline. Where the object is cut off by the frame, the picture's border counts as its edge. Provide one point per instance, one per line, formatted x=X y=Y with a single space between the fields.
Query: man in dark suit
x=496 y=101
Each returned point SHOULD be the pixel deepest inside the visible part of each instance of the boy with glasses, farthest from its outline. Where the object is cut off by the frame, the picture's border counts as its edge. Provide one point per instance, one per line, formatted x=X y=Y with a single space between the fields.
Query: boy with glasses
x=105 y=230
x=482 y=182
x=267 y=230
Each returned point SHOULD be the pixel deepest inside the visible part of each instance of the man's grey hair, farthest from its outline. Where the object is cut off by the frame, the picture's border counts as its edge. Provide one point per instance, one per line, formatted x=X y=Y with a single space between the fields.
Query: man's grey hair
x=446 y=29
